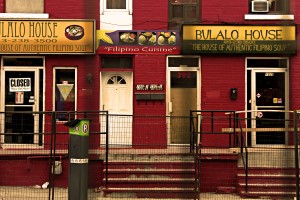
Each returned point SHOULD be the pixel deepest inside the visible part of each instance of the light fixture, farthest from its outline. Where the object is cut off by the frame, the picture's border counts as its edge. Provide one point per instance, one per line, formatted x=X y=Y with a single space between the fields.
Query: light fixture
x=89 y=77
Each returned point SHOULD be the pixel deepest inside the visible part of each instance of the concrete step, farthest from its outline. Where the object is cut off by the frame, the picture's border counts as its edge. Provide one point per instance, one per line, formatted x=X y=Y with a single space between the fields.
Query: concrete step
x=274 y=182
x=150 y=176
x=162 y=193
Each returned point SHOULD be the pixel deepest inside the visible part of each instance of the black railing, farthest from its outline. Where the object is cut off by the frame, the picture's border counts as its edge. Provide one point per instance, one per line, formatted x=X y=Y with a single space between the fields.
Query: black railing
x=296 y=143
x=199 y=125
x=204 y=122
x=243 y=146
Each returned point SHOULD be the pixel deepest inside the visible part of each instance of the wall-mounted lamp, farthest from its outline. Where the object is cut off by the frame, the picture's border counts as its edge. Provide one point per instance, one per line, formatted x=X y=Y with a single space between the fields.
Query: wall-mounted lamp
x=233 y=93
x=89 y=77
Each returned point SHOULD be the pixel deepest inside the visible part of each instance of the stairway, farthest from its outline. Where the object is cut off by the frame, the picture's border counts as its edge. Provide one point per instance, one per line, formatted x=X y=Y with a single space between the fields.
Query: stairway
x=161 y=176
x=270 y=175
x=270 y=182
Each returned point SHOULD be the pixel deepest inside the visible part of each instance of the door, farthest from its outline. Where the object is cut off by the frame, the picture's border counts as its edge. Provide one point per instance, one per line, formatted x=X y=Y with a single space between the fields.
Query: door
x=268 y=101
x=22 y=97
x=183 y=95
x=116 y=98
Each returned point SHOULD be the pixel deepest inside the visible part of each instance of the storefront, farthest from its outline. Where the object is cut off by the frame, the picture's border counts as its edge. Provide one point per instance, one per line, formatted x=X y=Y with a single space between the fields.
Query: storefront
x=132 y=73
x=245 y=67
x=39 y=66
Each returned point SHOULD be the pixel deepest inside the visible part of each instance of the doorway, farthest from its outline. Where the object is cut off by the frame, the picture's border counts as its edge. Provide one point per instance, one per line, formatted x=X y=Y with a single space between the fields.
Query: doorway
x=267 y=101
x=183 y=95
x=116 y=98
x=22 y=86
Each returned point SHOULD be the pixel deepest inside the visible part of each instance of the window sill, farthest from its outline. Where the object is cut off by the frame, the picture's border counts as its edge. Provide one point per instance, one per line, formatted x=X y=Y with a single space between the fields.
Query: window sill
x=24 y=15
x=268 y=17
x=116 y=13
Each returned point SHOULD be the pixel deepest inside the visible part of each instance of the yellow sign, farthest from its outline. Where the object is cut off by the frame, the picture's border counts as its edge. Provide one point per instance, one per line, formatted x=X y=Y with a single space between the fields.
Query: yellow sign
x=241 y=39
x=47 y=36
x=239 y=33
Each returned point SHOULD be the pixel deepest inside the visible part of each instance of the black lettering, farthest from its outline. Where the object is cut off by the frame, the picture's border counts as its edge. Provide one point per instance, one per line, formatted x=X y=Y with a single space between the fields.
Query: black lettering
x=199 y=34
x=248 y=34
x=12 y=83
x=279 y=34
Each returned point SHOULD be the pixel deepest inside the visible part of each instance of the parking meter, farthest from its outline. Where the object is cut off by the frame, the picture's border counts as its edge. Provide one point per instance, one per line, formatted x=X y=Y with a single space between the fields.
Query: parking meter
x=78 y=159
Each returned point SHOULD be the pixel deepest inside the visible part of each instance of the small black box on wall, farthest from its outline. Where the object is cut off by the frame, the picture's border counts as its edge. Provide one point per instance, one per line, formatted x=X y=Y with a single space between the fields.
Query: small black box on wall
x=233 y=93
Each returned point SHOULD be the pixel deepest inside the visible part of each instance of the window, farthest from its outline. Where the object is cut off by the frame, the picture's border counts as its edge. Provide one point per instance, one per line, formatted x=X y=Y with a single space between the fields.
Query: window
x=267 y=63
x=269 y=10
x=116 y=80
x=65 y=93
x=183 y=11
x=183 y=62
x=121 y=11
x=116 y=62
x=270 y=6
x=24 y=6
x=116 y=4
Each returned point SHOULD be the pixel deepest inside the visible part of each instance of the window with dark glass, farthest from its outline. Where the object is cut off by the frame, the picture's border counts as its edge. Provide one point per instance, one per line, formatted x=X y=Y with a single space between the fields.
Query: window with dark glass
x=65 y=94
x=267 y=63
x=116 y=62
x=183 y=12
x=183 y=61
x=269 y=6
x=115 y=4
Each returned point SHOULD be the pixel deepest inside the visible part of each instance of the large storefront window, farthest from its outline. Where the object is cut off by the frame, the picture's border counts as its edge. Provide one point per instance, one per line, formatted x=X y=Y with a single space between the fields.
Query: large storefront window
x=65 y=93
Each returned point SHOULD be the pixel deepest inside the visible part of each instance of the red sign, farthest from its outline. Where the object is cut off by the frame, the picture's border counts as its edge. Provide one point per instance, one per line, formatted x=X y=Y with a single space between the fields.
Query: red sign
x=138 y=50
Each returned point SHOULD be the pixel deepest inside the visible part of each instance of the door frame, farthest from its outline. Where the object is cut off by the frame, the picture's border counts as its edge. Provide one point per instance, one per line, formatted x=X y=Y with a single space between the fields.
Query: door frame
x=253 y=72
x=168 y=88
x=130 y=96
x=112 y=73
x=36 y=105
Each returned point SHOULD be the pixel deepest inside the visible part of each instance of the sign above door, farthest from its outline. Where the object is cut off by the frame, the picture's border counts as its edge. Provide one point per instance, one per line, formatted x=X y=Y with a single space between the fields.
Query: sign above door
x=47 y=36
x=237 y=39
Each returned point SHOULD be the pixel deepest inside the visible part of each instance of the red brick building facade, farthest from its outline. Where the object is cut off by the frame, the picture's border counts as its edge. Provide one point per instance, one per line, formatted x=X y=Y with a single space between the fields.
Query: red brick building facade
x=140 y=58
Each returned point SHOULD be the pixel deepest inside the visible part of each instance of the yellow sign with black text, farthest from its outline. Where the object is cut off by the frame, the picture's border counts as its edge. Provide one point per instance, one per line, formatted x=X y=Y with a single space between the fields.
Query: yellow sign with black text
x=238 y=39
x=47 y=37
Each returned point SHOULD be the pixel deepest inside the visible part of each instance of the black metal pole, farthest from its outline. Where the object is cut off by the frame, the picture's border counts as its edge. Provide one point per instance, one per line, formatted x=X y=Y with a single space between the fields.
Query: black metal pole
x=52 y=155
x=296 y=153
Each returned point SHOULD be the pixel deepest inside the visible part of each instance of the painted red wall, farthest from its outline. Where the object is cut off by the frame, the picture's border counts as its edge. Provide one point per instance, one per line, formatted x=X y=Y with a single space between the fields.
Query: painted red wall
x=150 y=69
x=69 y=9
x=148 y=15
x=2 y=5
x=34 y=170
x=87 y=93
x=217 y=173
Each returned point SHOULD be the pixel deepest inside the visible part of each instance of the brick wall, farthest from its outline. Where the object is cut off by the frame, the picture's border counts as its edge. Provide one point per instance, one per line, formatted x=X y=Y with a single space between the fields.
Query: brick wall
x=149 y=15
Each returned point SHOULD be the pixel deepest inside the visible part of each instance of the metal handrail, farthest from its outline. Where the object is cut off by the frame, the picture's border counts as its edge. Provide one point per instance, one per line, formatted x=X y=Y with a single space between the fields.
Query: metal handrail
x=196 y=145
x=243 y=146
x=296 y=143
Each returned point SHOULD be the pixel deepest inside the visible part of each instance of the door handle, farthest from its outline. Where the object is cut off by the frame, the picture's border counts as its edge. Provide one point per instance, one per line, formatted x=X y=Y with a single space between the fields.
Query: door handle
x=103 y=107
x=170 y=107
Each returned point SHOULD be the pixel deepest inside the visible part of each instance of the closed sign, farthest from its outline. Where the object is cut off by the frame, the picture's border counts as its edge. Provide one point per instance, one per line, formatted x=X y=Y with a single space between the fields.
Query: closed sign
x=19 y=84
